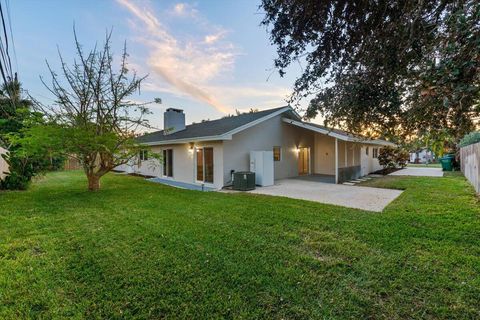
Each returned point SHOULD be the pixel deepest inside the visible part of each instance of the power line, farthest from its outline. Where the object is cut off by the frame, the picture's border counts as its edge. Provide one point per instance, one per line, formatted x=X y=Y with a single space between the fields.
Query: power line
x=7 y=2
x=5 y=60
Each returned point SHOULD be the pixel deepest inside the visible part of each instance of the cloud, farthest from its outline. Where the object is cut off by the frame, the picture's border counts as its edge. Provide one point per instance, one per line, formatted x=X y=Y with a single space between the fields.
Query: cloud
x=184 y=9
x=212 y=38
x=186 y=65
x=194 y=66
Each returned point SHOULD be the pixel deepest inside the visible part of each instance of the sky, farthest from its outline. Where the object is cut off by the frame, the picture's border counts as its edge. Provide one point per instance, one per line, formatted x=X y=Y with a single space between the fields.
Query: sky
x=207 y=57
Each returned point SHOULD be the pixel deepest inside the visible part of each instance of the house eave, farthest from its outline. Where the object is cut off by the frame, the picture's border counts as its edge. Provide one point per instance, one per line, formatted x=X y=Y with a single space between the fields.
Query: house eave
x=226 y=136
x=188 y=140
x=336 y=135
x=319 y=130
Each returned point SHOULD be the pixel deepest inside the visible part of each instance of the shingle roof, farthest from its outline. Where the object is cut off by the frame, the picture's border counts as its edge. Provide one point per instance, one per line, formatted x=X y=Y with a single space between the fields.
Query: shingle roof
x=208 y=128
x=338 y=131
x=352 y=135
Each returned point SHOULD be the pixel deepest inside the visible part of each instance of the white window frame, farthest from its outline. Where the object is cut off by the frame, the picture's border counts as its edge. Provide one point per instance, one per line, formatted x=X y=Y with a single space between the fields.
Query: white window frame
x=273 y=149
x=143 y=156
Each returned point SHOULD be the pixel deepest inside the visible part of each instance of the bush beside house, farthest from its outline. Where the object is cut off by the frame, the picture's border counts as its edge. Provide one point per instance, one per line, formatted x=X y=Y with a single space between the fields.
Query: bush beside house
x=391 y=158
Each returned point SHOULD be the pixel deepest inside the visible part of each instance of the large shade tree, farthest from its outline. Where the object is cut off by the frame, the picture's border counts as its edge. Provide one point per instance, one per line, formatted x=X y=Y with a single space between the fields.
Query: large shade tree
x=383 y=67
x=94 y=119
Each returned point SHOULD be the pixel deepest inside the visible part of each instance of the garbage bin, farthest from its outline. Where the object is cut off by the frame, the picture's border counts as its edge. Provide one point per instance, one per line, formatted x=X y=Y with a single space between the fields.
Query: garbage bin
x=447 y=162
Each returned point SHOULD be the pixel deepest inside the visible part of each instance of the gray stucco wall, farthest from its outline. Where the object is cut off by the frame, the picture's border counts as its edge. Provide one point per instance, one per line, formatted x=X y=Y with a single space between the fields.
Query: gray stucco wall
x=264 y=136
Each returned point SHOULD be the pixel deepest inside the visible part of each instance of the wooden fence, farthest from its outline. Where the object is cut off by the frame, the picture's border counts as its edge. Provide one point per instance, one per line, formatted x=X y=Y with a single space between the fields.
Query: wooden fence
x=72 y=164
x=470 y=164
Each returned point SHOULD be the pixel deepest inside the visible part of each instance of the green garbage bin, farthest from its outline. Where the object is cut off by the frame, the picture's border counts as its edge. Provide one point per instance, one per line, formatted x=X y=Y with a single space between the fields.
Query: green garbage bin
x=447 y=162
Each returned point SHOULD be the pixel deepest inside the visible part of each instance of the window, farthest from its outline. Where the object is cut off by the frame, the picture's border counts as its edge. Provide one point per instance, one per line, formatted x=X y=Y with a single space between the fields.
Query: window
x=277 y=153
x=143 y=155
x=366 y=151
x=168 y=162
x=375 y=153
x=204 y=164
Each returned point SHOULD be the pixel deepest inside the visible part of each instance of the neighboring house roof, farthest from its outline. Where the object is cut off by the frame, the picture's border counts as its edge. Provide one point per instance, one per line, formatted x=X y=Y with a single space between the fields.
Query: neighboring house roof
x=221 y=129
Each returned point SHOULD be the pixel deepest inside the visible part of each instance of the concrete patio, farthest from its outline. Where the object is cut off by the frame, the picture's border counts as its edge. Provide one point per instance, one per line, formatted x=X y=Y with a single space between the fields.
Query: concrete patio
x=419 y=172
x=365 y=198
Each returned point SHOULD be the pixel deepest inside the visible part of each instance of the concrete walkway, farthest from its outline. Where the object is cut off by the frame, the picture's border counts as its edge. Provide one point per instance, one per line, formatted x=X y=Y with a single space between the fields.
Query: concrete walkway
x=419 y=172
x=365 y=198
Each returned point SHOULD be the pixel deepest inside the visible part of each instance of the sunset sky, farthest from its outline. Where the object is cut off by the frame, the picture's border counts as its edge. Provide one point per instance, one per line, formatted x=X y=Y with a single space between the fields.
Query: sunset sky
x=207 y=57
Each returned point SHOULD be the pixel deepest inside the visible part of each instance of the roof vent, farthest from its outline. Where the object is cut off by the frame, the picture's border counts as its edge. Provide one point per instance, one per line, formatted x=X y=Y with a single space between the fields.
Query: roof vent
x=173 y=121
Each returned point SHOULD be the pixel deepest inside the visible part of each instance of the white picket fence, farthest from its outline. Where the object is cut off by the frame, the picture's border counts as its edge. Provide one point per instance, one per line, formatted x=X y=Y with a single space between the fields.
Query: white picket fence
x=470 y=164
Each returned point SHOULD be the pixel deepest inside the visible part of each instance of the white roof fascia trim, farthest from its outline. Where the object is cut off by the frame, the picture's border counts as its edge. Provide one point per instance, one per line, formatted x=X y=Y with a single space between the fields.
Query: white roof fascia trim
x=322 y=131
x=187 y=140
x=253 y=123
x=381 y=143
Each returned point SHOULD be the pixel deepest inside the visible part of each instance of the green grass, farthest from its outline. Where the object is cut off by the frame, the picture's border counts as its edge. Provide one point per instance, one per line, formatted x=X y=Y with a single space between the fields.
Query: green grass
x=137 y=249
x=425 y=165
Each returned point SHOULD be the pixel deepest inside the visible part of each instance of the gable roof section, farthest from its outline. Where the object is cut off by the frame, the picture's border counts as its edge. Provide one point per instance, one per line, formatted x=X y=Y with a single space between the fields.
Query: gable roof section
x=220 y=129
x=336 y=133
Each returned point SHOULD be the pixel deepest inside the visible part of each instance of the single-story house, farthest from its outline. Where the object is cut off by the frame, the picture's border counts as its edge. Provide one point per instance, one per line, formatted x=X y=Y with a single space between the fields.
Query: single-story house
x=207 y=153
x=3 y=164
x=422 y=155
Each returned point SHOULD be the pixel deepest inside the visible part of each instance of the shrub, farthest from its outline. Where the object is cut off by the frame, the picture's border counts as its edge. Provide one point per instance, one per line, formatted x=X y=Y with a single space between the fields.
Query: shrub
x=390 y=157
x=20 y=175
x=471 y=138
x=387 y=157
x=402 y=157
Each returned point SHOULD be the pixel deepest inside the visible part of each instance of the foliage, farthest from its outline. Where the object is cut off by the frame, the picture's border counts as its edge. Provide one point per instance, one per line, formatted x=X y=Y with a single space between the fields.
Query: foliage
x=21 y=171
x=93 y=119
x=15 y=117
x=387 y=157
x=402 y=157
x=69 y=253
x=471 y=138
x=391 y=157
x=386 y=67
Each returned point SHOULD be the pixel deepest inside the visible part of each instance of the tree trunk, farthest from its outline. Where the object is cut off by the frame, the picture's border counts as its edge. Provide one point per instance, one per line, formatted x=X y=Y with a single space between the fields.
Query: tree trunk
x=93 y=182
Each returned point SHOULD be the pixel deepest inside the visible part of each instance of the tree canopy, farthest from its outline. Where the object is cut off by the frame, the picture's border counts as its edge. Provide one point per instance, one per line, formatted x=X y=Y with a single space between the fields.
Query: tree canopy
x=382 y=67
x=93 y=118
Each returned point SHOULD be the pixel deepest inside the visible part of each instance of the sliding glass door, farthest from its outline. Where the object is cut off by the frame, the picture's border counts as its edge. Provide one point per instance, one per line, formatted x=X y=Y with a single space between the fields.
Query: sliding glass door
x=204 y=164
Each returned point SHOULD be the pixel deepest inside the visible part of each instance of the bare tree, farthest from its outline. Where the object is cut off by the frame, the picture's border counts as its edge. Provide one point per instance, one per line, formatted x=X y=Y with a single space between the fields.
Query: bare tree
x=93 y=118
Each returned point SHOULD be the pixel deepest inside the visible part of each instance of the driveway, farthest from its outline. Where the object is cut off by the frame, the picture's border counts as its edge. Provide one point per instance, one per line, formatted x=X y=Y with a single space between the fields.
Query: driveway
x=419 y=172
x=365 y=198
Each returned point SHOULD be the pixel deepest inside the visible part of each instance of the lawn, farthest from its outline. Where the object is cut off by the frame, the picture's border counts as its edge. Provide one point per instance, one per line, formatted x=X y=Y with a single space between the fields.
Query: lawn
x=137 y=249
